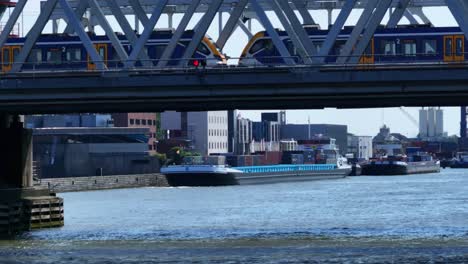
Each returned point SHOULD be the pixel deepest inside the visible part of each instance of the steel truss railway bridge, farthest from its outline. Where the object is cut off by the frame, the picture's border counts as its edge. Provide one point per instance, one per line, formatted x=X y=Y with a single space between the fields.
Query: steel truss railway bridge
x=149 y=87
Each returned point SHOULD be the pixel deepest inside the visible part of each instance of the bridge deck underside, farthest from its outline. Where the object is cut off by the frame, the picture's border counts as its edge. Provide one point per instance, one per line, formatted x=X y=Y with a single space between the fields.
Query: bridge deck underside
x=298 y=88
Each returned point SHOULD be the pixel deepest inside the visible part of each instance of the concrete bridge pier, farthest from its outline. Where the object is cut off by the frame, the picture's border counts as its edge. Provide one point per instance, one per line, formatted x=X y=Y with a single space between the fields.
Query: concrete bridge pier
x=15 y=153
x=23 y=206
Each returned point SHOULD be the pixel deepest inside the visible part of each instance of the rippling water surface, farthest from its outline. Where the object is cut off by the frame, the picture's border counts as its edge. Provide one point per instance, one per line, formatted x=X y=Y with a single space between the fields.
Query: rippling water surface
x=417 y=218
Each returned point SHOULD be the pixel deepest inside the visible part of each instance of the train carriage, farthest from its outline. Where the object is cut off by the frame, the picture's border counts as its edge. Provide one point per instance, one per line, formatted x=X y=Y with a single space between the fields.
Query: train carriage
x=403 y=44
x=65 y=52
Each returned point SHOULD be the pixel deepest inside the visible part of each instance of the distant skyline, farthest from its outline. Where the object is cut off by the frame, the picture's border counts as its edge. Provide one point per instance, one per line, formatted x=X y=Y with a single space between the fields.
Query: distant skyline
x=359 y=121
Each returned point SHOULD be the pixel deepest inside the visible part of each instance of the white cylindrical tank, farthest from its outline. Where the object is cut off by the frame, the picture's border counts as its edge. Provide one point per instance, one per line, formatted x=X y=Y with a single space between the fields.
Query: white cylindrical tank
x=423 y=126
x=439 y=122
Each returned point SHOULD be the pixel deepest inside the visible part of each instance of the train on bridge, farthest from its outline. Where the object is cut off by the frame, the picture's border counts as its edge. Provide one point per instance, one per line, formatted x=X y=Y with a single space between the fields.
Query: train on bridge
x=67 y=52
x=404 y=44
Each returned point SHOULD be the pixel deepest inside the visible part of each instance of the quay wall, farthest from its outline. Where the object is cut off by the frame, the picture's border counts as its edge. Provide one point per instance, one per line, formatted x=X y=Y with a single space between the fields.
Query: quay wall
x=76 y=184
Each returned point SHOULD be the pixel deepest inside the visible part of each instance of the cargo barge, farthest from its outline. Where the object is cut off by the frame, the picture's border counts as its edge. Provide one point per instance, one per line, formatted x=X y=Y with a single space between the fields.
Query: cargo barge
x=416 y=164
x=208 y=175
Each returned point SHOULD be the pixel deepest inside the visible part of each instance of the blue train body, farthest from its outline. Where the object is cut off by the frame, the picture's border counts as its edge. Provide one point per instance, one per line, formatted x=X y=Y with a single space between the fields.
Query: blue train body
x=66 y=52
x=398 y=45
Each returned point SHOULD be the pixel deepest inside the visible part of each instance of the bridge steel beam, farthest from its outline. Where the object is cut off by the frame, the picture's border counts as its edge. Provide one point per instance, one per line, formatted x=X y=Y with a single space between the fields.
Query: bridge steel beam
x=116 y=43
x=140 y=44
x=374 y=23
x=128 y=31
x=398 y=14
x=301 y=6
x=200 y=33
x=336 y=29
x=418 y=11
x=12 y=21
x=408 y=15
x=34 y=34
x=139 y=11
x=169 y=50
x=357 y=31
x=79 y=30
x=265 y=21
x=304 y=54
x=79 y=12
x=459 y=11
x=231 y=24
x=245 y=28
x=298 y=29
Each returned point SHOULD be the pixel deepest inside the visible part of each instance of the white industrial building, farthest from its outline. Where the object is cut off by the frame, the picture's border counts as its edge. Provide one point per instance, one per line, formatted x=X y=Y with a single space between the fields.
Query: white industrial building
x=360 y=146
x=431 y=123
x=208 y=131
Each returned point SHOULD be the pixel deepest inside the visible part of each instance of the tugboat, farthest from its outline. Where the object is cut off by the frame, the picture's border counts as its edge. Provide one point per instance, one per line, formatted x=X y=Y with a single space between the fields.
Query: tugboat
x=402 y=165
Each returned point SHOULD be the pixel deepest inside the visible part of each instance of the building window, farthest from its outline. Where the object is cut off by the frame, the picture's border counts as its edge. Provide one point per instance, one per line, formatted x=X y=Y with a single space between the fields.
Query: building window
x=138 y=122
x=143 y=122
x=150 y=147
x=150 y=122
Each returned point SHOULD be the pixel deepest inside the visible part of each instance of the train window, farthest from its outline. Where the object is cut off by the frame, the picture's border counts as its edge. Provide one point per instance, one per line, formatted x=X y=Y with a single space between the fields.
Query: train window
x=429 y=46
x=202 y=48
x=6 y=56
x=257 y=46
x=35 y=56
x=73 y=54
x=15 y=53
x=388 y=47
x=409 y=48
x=269 y=45
x=448 y=47
x=54 y=56
x=459 y=47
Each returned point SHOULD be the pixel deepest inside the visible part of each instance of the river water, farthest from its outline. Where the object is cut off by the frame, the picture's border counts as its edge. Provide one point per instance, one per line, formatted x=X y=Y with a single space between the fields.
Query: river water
x=402 y=219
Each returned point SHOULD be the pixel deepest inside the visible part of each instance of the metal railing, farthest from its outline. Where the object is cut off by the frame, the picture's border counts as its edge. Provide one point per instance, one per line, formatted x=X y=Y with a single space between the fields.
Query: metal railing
x=287 y=168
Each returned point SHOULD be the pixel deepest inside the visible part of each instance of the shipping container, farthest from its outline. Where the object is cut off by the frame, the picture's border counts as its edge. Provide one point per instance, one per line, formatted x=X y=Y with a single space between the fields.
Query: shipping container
x=273 y=158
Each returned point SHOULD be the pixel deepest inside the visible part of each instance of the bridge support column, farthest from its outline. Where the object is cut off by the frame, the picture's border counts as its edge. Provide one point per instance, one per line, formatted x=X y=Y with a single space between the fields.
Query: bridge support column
x=16 y=153
x=22 y=206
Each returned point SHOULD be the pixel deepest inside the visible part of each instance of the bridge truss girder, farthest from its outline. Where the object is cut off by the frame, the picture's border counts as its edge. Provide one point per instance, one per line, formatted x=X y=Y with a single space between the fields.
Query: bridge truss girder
x=290 y=14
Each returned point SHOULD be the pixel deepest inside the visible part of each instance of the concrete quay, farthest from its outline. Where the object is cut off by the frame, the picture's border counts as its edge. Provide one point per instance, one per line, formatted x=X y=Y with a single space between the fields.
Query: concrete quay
x=77 y=184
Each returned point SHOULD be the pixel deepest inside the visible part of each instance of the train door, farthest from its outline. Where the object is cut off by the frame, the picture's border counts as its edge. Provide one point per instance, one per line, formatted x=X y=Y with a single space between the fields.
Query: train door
x=9 y=54
x=369 y=55
x=102 y=51
x=454 y=48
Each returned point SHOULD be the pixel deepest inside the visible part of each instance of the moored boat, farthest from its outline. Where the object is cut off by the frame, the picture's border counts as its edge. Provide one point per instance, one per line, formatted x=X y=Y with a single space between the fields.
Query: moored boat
x=416 y=164
x=460 y=162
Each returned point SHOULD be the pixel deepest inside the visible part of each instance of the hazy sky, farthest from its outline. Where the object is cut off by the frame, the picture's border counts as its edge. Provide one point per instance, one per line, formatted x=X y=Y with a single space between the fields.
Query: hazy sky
x=360 y=122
